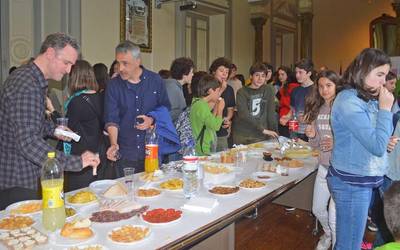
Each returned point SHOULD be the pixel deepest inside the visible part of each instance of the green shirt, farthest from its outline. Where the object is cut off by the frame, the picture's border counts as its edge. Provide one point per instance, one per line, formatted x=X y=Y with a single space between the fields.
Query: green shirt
x=200 y=115
x=389 y=246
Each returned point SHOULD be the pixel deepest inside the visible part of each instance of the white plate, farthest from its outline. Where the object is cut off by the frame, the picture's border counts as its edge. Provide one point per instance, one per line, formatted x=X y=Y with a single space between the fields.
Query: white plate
x=223 y=195
x=251 y=189
x=163 y=223
x=17 y=204
x=79 y=204
x=57 y=239
x=271 y=176
x=100 y=186
x=86 y=246
x=150 y=197
x=6 y=230
x=129 y=243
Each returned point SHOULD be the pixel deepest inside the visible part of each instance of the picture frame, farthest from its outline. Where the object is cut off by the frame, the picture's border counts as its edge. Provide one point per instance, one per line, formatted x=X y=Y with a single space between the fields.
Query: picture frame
x=136 y=23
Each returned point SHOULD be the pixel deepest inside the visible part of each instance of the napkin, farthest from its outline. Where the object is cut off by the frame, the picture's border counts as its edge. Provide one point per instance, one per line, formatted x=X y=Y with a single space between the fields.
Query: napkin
x=69 y=134
x=201 y=204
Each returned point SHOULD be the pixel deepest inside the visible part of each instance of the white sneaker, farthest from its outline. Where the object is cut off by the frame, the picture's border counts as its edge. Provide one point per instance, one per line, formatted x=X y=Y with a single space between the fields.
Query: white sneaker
x=324 y=242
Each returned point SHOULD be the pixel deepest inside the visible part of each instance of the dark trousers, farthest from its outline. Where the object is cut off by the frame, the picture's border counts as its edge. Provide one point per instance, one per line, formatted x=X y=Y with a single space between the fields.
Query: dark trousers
x=123 y=163
x=383 y=235
x=11 y=195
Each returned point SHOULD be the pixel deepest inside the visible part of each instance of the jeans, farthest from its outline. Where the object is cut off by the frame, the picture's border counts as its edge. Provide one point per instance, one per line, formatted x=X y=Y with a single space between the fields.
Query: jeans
x=352 y=204
x=321 y=199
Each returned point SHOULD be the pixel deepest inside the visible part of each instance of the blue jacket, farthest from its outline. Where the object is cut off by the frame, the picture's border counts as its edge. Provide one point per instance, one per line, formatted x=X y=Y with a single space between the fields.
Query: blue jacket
x=168 y=139
x=361 y=135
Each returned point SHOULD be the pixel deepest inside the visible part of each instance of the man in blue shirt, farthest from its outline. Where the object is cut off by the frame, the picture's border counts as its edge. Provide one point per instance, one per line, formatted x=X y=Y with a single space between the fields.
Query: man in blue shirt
x=129 y=98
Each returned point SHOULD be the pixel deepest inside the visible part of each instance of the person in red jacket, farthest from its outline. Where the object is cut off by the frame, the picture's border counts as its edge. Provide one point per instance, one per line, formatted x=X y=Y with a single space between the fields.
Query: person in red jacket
x=287 y=83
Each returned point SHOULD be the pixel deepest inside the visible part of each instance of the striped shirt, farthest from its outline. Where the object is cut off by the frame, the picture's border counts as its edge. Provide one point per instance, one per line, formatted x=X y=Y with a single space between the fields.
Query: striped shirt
x=23 y=128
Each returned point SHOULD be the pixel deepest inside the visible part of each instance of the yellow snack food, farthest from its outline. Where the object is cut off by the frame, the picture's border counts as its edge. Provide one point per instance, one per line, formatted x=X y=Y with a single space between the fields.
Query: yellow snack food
x=172 y=184
x=82 y=197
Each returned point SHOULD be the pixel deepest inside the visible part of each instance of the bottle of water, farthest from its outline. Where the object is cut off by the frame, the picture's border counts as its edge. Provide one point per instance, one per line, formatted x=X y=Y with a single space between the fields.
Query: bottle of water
x=190 y=171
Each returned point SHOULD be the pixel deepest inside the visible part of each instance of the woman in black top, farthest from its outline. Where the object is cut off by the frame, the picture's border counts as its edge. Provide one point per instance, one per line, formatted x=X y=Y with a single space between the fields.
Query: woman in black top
x=84 y=110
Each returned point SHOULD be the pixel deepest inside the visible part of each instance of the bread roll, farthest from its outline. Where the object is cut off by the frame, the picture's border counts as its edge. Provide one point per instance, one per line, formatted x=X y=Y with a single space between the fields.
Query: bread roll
x=69 y=231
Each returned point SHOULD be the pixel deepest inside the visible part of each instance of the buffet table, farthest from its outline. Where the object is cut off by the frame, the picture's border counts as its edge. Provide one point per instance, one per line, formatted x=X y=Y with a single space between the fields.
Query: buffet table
x=193 y=227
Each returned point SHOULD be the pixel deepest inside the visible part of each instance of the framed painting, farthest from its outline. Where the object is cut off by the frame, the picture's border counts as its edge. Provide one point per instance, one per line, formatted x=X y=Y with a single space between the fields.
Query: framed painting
x=135 y=23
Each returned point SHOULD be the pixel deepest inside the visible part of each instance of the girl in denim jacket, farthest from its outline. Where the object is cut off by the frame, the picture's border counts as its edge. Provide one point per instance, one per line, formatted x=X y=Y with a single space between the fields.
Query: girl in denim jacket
x=362 y=125
x=317 y=115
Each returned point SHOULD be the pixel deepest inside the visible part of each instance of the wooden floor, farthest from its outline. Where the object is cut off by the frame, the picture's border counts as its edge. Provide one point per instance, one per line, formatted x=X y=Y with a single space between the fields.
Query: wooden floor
x=276 y=229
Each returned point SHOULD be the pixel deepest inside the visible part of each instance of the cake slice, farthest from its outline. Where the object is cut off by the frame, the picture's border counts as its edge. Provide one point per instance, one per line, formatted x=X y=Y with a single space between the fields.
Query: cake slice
x=116 y=190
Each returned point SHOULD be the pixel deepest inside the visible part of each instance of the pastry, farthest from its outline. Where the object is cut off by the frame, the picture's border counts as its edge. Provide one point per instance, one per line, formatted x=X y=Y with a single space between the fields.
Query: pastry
x=77 y=230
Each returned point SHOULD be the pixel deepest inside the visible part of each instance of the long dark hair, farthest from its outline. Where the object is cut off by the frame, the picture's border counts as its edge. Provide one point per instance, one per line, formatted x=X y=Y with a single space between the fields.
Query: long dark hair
x=359 y=68
x=290 y=78
x=314 y=100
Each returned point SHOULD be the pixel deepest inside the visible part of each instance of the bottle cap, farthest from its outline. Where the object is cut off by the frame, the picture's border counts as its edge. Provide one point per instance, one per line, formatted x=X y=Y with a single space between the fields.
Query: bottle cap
x=51 y=154
x=190 y=158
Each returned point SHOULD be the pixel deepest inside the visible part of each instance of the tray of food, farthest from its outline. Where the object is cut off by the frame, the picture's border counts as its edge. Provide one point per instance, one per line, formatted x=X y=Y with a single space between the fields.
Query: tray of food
x=264 y=175
x=25 y=238
x=14 y=222
x=28 y=207
x=289 y=162
x=116 y=210
x=75 y=232
x=251 y=184
x=162 y=217
x=81 y=198
x=224 y=190
x=148 y=193
x=174 y=184
x=129 y=234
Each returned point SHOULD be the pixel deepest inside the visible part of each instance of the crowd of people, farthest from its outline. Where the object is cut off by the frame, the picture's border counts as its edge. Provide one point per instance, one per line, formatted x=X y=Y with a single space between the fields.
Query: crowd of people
x=352 y=119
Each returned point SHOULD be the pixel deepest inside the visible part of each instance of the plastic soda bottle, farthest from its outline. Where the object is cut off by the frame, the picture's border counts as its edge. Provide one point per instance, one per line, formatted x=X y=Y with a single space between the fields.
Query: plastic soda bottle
x=52 y=180
x=293 y=127
x=151 y=148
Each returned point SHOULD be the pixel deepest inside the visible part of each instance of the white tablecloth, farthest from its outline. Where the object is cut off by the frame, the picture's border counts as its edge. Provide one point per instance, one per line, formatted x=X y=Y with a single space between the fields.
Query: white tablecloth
x=190 y=221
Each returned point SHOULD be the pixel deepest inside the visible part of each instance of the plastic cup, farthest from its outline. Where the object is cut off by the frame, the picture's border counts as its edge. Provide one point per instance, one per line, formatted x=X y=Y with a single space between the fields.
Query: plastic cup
x=129 y=178
x=62 y=122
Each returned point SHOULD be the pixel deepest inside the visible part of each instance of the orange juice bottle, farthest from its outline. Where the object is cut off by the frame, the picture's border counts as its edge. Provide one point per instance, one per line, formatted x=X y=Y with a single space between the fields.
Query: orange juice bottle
x=151 y=160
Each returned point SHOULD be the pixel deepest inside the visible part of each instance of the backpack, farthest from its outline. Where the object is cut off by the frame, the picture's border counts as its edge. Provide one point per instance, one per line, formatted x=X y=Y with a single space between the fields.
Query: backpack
x=184 y=129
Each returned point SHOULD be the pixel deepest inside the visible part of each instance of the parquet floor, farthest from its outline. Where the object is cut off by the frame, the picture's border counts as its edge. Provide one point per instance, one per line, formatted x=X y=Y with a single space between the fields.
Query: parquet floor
x=276 y=229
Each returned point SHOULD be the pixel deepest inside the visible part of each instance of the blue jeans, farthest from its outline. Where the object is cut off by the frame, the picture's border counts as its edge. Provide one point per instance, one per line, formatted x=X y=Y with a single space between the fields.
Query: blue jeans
x=352 y=204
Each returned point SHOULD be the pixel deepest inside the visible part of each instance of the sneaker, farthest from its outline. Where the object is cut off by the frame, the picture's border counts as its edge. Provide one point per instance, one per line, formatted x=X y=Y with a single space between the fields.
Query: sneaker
x=365 y=245
x=290 y=209
x=371 y=226
x=324 y=242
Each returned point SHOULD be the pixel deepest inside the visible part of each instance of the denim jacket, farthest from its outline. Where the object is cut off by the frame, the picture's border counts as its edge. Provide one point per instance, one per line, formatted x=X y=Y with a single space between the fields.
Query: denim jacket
x=361 y=135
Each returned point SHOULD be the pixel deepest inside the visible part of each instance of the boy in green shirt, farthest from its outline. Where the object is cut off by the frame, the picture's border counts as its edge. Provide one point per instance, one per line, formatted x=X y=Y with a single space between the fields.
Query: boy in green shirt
x=391 y=203
x=206 y=114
